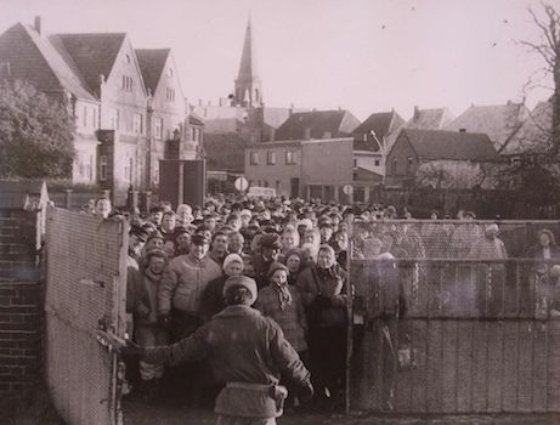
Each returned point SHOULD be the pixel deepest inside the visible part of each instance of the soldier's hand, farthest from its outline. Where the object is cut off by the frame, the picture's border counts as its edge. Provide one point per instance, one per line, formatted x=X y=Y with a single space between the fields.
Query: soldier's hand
x=306 y=392
x=131 y=349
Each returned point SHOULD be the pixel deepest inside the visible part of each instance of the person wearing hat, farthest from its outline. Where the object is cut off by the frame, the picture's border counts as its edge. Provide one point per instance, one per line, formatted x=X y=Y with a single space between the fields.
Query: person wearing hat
x=182 y=286
x=325 y=295
x=248 y=353
x=147 y=330
x=212 y=298
x=155 y=241
x=490 y=277
x=180 y=308
x=465 y=235
x=283 y=303
x=270 y=245
x=182 y=241
x=218 y=247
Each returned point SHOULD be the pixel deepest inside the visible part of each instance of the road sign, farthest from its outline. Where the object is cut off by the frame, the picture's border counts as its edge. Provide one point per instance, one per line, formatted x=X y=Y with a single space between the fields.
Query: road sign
x=241 y=184
x=347 y=189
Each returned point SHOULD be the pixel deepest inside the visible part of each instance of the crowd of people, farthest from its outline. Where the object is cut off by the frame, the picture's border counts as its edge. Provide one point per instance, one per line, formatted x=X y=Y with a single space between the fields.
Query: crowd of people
x=181 y=262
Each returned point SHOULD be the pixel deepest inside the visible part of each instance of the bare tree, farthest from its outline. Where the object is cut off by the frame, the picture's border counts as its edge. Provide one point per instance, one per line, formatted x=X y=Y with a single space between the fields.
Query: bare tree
x=548 y=47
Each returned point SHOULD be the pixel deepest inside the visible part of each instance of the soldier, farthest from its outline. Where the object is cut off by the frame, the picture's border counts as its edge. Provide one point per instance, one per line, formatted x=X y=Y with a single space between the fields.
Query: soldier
x=248 y=352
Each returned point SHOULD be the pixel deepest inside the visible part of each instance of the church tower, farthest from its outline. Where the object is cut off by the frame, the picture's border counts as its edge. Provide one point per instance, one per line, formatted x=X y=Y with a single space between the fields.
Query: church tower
x=248 y=91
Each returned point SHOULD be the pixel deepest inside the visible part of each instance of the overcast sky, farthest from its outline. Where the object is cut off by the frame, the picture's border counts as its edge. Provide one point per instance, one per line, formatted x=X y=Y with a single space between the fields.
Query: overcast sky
x=362 y=55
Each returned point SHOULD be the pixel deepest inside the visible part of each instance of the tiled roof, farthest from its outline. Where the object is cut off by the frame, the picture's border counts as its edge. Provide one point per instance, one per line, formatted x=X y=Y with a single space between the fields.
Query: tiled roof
x=382 y=124
x=534 y=135
x=499 y=122
x=226 y=152
x=93 y=54
x=152 y=62
x=338 y=123
x=430 y=119
x=33 y=58
x=450 y=145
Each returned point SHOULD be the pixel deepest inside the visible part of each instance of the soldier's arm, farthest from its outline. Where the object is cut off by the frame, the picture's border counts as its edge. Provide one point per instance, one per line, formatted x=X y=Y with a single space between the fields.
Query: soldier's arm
x=190 y=349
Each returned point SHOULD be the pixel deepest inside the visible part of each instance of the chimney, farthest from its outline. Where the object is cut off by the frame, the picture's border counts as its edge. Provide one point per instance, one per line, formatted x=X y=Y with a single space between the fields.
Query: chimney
x=462 y=130
x=37 y=24
x=416 y=112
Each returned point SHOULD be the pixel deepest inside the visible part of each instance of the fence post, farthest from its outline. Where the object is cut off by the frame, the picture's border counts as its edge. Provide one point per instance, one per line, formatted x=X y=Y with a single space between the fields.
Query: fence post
x=68 y=199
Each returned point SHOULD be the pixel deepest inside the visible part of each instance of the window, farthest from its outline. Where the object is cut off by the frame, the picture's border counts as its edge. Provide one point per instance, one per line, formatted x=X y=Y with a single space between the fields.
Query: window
x=94 y=119
x=158 y=128
x=290 y=158
x=170 y=72
x=128 y=170
x=137 y=123
x=254 y=158
x=90 y=167
x=170 y=94
x=102 y=168
x=127 y=83
x=84 y=117
x=355 y=163
x=271 y=158
x=409 y=163
x=376 y=163
x=156 y=173
x=394 y=166
x=127 y=58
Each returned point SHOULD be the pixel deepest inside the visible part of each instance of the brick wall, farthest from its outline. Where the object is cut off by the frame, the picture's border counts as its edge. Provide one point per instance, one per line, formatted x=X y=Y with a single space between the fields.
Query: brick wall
x=21 y=330
x=18 y=244
x=21 y=301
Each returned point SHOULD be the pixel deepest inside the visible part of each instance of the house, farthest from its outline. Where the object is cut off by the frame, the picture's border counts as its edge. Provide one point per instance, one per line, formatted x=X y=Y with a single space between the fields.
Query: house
x=499 y=122
x=108 y=63
x=122 y=100
x=312 y=168
x=225 y=157
x=25 y=54
x=169 y=134
x=456 y=153
x=317 y=125
x=370 y=144
x=534 y=135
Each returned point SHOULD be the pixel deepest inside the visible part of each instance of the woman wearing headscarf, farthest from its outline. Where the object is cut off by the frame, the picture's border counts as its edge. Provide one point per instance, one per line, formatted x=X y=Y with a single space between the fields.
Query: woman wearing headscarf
x=294 y=261
x=324 y=291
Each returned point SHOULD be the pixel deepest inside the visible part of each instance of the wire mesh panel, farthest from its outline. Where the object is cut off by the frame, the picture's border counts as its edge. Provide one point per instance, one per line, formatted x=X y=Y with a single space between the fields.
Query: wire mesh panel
x=457 y=317
x=85 y=291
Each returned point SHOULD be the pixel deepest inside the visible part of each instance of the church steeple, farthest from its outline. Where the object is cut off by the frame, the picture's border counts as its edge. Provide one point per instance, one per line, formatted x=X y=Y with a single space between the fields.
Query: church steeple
x=248 y=84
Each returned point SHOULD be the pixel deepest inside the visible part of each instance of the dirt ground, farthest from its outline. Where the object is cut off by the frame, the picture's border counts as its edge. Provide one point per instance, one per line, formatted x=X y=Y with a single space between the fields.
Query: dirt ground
x=139 y=413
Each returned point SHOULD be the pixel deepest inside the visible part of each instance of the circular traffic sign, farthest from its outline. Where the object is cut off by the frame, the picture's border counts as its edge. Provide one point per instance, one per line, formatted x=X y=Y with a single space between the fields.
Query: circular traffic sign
x=347 y=189
x=241 y=184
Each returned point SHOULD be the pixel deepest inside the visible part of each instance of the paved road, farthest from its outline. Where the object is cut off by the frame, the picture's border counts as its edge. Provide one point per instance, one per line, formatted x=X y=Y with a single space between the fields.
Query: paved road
x=138 y=413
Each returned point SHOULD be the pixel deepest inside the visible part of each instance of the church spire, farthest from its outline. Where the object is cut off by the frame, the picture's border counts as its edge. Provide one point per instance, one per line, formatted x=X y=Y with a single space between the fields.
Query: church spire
x=248 y=84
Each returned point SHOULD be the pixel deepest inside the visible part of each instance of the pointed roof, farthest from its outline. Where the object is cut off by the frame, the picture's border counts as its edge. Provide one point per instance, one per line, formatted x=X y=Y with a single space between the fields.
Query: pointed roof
x=93 y=54
x=499 y=122
x=152 y=63
x=27 y=51
x=247 y=66
x=430 y=119
x=382 y=124
x=534 y=135
x=450 y=145
x=334 y=123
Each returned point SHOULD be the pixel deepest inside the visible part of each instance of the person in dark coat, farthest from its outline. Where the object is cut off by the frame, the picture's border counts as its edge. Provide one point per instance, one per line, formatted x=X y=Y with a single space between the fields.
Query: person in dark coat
x=248 y=353
x=270 y=245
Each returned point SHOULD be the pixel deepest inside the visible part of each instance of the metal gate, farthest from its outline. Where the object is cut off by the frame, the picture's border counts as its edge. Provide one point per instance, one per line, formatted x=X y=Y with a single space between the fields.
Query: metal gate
x=86 y=278
x=456 y=335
